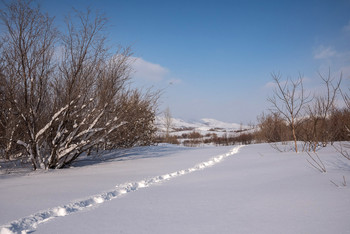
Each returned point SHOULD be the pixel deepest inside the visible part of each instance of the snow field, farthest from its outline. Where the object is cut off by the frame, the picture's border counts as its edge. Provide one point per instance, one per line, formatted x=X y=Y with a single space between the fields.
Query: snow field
x=31 y=222
x=259 y=190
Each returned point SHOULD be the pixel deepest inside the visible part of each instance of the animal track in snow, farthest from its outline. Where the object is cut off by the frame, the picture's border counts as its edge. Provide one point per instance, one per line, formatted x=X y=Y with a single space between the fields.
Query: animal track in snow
x=30 y=223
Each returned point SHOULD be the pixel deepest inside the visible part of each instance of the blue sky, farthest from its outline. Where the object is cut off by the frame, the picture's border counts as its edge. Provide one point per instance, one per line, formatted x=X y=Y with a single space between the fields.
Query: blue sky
x=214 y=59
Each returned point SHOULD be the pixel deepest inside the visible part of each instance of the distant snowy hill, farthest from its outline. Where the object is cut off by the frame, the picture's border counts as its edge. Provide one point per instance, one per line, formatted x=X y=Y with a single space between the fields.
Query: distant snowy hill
x=203 y=126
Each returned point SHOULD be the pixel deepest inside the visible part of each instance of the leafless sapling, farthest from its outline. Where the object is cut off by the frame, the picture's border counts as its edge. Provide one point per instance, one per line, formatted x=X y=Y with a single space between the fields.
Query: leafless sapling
x=289 y=99
x=321 y=108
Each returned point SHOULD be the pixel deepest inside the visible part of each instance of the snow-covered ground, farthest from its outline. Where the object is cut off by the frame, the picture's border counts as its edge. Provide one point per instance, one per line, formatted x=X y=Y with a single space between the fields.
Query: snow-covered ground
x=173 y=189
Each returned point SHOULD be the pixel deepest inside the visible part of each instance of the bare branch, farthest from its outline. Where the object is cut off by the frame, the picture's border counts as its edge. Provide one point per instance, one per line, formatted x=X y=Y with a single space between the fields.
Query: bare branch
x=289 y=100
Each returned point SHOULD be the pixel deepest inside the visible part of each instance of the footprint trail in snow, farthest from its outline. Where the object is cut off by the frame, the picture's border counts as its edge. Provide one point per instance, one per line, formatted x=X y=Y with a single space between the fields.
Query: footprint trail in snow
x=30 y=223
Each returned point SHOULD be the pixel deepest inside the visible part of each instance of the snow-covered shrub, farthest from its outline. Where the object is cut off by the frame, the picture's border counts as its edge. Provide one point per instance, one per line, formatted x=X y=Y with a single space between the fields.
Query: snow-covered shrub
x=63 y=94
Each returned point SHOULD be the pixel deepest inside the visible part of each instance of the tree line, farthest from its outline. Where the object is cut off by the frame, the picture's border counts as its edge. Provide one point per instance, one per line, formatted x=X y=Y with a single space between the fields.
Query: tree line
x=314 y=119
x=297 y=116
x=63 y=93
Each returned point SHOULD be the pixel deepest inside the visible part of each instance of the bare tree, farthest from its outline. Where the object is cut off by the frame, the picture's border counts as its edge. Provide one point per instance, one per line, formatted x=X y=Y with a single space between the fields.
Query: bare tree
x=87 y=88
x=167 y=122
x=137 y=109
x=319 y=111
x=27 y=54
x=65 y=104
x=346 y=98
x=289 y=100
x=344 y=148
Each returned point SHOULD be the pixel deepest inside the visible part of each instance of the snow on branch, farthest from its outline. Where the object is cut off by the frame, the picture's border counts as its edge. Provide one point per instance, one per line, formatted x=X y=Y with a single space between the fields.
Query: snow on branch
x=49 y=124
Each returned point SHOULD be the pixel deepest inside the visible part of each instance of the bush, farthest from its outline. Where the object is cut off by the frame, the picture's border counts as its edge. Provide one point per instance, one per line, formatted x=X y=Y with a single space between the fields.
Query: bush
x=57 y=104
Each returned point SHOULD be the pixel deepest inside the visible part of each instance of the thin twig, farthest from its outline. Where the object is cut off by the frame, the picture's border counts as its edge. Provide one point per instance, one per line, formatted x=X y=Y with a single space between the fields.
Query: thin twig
x=334 y=184
x=274 y=146
x=341 y=150
x=320 y=166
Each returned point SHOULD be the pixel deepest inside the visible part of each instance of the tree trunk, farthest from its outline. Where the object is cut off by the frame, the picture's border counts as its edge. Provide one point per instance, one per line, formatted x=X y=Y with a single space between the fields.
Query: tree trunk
x=295 y=138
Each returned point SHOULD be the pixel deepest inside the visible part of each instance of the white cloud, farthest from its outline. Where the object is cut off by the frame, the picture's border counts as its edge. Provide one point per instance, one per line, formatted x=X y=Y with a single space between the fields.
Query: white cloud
x=270 y=84
x=273 y=84
x=346 y=28
x=323 y=52
x=148 y=71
